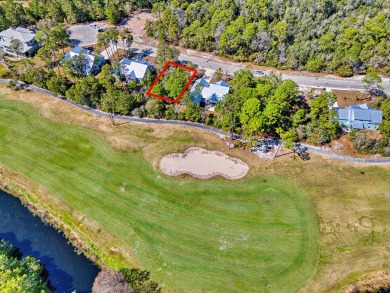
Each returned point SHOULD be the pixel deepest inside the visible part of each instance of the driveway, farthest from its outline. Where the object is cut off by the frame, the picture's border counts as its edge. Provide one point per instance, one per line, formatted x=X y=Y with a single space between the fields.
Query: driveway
x=83 y=35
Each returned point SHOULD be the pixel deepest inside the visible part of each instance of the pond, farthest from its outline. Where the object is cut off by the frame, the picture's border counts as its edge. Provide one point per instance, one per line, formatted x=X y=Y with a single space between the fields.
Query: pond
x=67 y=270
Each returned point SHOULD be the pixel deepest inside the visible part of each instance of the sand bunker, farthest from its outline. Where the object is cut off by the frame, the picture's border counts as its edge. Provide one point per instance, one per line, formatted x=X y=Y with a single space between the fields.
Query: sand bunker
x=201 y=163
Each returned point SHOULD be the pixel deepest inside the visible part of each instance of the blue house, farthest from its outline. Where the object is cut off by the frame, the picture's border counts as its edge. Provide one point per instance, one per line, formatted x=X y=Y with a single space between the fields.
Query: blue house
x=359 y=117
x=209 y=93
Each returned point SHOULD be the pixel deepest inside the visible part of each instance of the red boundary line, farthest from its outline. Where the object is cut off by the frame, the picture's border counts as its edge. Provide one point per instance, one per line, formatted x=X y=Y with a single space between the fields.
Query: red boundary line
x=149 y=91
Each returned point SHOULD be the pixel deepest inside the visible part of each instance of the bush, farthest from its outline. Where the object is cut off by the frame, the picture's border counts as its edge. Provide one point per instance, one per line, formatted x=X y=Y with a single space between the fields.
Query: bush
x=344 y=71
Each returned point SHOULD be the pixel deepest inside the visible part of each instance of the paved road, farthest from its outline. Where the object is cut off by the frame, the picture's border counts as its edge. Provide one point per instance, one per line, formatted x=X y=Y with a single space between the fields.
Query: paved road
x=86 y=35
x=199 y=126
x=206 y=60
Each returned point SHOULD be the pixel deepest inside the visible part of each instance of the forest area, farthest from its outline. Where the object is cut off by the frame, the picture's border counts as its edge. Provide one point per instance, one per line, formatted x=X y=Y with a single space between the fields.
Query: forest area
x=340 y=36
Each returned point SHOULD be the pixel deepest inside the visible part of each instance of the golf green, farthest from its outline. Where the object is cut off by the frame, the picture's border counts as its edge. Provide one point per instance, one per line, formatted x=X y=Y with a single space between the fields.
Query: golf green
x=254 y=235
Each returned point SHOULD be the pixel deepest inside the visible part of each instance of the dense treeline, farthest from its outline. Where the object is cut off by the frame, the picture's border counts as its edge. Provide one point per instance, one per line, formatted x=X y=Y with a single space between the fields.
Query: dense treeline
x=19 y=274
x=13 y=13
x=343 y=36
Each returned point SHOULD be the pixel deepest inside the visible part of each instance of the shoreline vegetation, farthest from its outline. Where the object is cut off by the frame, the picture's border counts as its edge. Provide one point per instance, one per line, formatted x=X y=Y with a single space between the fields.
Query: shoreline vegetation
x=366 y=219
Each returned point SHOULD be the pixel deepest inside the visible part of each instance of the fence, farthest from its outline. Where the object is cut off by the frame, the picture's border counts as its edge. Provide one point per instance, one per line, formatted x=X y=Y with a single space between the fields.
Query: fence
x=197 y=125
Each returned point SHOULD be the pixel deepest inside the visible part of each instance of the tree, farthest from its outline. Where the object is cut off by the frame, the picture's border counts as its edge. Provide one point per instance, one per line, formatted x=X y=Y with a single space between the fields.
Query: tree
x=372 y=78
x=19 y=274
x=77 y=65
x=59 y=37
x=165 y=53
x=58 y=84
x=251 y=117
x=155 y=108
x=17 y=46
x=113 y=12
x=140 y=281
x=218 y=74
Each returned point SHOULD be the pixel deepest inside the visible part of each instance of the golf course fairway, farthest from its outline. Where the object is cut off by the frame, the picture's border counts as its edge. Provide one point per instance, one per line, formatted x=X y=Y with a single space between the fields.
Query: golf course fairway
x=253 y=235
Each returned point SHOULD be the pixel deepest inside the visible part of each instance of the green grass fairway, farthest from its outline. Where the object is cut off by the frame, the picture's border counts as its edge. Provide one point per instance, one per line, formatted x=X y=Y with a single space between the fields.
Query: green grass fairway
x=254 y=235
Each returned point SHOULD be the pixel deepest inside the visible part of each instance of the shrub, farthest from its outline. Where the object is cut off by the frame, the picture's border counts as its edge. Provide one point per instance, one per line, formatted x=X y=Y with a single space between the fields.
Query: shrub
x=344 y=71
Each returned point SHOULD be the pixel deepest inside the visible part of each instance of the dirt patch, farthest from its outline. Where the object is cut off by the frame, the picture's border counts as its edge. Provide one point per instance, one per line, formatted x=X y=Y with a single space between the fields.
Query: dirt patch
x=136 y=23
x=344 y=146
x=345 y=98
x=203 y=164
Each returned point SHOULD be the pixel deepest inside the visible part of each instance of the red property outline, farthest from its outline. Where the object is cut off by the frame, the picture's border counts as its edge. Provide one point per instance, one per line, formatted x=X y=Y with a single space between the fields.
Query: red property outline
x=149 y=91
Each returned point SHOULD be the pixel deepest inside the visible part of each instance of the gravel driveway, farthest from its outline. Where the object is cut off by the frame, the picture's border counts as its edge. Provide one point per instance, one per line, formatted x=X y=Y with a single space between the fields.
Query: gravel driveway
x=83 y=35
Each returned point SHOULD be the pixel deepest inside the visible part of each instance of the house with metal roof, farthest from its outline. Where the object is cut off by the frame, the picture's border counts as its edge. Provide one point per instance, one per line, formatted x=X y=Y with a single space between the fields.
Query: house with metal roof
x=25 y=36
x=209 y=93
x=93 y=62
x=359 y=117
x=131 y=69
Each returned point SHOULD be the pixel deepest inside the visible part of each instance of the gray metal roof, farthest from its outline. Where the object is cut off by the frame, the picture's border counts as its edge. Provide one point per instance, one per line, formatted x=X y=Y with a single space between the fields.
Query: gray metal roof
x=359 y=116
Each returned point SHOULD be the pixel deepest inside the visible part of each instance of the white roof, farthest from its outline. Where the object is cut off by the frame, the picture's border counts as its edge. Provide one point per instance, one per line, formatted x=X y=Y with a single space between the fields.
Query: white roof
x=212 y=92
x=19 y=33
x=134 y=69
x=90 y=57
x=22 y=34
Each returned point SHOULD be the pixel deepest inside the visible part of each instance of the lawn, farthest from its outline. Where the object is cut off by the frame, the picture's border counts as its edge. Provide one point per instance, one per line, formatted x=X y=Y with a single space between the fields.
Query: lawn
x=255 y=235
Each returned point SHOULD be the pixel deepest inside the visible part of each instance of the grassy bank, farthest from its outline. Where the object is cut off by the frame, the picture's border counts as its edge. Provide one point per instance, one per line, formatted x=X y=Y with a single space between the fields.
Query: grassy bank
x=192 y=235
x=352 y=201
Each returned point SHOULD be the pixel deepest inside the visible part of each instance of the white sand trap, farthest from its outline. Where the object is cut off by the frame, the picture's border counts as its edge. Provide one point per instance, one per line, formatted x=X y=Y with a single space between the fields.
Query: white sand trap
x=201 y=163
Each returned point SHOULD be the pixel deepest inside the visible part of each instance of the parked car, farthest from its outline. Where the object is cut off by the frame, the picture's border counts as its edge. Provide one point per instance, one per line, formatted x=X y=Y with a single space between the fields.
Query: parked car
x=258 y=72
x=96 y=27
x=376 y=92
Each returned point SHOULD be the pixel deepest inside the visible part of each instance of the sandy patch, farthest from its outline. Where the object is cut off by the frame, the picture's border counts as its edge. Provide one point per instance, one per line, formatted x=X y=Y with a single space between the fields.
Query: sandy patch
x=201 y=163
x=136 y=23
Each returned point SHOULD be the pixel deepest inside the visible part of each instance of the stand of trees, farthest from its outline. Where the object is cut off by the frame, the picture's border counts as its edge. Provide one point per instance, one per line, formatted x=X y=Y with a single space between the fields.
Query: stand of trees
x=272 y=107
x=343 y=36
x=19 y=274
x=13 y=13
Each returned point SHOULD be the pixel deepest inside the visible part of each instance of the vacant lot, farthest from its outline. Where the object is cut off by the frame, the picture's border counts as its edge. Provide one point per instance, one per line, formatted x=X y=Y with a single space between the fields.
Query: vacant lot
x=352 y=201
x=197 y=235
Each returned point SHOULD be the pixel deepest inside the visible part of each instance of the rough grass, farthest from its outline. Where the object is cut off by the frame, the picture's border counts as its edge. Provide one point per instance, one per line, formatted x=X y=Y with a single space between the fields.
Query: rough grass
x=251 y=235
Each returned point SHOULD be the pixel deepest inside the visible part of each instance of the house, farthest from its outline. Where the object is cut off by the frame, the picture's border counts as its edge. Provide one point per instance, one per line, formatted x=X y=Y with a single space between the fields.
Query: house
x=93 y=62
x=134 y=69
x=208 y=93
x=359 y=117
x=25 y=36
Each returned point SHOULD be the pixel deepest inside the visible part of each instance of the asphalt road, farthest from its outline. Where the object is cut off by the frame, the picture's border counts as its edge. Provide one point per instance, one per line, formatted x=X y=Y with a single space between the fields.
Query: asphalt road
x=86 y=35
x=205 y=60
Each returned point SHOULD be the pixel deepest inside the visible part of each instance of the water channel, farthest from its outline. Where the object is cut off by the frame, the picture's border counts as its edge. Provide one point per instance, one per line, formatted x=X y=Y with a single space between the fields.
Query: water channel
x=67 y=270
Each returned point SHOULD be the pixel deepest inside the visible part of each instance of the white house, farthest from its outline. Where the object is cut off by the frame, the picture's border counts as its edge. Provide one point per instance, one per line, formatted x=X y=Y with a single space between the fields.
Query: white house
x=93 y=61
x=359 y=117
x=209 y=93
x=134 y=69
x=25 y=36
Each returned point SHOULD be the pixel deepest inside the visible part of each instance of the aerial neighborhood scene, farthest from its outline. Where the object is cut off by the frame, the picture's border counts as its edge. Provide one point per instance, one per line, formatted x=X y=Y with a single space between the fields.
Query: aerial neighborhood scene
x=194 y=146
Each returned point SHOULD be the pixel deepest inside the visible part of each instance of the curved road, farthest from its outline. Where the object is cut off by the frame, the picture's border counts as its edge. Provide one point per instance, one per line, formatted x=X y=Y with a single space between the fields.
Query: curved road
x=314 y=149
